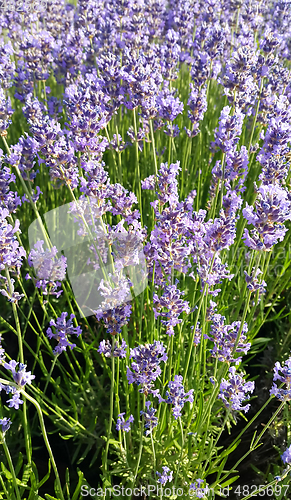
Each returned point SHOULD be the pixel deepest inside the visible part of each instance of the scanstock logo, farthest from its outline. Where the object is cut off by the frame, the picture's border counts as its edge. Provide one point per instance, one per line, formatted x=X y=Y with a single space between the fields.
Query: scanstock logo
x=106 y=268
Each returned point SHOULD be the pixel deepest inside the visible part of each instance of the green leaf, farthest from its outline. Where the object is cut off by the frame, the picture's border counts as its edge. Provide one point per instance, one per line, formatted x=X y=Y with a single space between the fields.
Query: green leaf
x=229 y=481
x=7 y=474
x=230 y=450
x=78 y=487
x=26 y=474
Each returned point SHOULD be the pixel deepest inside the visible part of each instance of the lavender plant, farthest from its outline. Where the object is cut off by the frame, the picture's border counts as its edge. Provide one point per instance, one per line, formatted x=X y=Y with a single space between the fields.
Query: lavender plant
x=161 y=129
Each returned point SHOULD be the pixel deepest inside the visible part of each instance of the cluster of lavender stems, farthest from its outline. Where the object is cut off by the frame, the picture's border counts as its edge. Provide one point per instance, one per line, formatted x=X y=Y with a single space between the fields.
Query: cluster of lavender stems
x=96 y=84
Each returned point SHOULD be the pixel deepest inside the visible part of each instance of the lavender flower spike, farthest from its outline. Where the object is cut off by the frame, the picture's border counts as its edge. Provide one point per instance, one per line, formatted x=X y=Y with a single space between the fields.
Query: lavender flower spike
x=123 y=425
x=145 y=367
x=197 y=490
x=63 y=329
x=5 y=422
x=21 y=376
x=282 y=394
x=176 y=395
x=234 y=391
x=106 y=348
x=286 y=457
x=149 y=416
x=164 y=477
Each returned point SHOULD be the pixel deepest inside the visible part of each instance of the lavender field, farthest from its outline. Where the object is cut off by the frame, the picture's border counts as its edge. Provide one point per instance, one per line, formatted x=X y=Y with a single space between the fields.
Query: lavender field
x=145 y=277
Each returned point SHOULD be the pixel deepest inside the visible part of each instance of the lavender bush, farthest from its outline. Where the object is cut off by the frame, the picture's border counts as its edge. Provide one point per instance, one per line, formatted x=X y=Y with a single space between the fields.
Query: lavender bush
x=163 y=129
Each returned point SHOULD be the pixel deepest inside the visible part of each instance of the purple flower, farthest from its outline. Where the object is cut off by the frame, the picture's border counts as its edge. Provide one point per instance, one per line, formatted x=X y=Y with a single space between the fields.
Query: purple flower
x=165 y=476
x=233 y=391
x=168 y=248
x=235 y=169
x=239 y=80
x=63 y=329
x=10 y=199
x=176 y=396
x=225 y=337
x=283 y=374
x=149 y=183
x=106 y=349
x=12 y=296
x=49 y=269
x=172 y=130
x=169 y=106
x=6 y=423
x=145 y=367
x=197 y=490
x=171 y=300
x=21 y=376
x=122 y=424
x=272 y=208
x=253 y=283
x=2 y=352
x=197 y=104
x=197 y=334
x=11 y=254
x=149 y=417
x=229 y=130
x=5 y=113
x=15 y=401
x=114 y=315
x=286 y=457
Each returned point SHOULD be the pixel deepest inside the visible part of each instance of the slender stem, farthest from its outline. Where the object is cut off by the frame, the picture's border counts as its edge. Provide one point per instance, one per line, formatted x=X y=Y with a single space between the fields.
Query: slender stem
x=181 y=453
x=154 y=148
x=105 y=465
x=11 y=467
x=140 y=447
x=256 y=115
x=45 y=437
x=50 y=373
x=154 y=457
x=137 y=165
x=21 y=356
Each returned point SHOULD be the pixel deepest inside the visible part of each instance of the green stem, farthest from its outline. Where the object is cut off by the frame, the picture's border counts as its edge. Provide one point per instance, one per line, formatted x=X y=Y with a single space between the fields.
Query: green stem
x=11 y=467
x=137 y=165
x=45 y=437
x=111 y=406
x=181 y=453
x=154 y=149
x=21 y=357
x=140 y=446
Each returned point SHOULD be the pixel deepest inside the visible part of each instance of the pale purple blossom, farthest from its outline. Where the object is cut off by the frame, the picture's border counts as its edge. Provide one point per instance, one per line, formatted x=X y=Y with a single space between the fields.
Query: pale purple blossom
x=122 y=424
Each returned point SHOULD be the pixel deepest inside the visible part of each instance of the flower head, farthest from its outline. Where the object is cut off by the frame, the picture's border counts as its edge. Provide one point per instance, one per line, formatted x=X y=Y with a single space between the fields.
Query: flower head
x=283 y=374
x=122 y=424
x=106 y=349
x=20 y=375
x=149 y=417
x=234 y=391
x=145 y=367
x=177 y=396
x=5 y=423
x=198 y=489
x=63 y=329
x=286 y=457
x=165 y=476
